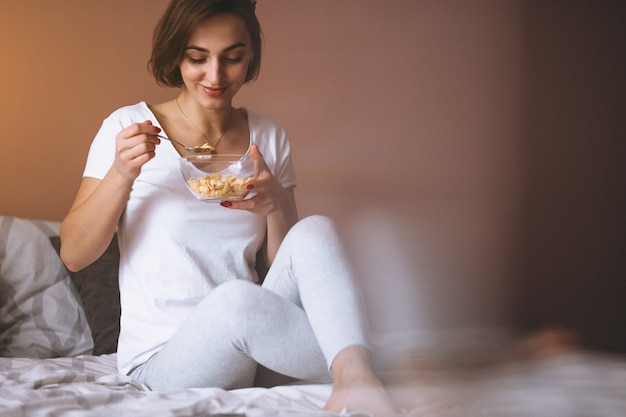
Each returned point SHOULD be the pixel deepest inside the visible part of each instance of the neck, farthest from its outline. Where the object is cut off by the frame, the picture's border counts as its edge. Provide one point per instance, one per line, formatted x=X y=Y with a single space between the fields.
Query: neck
x=211 y=124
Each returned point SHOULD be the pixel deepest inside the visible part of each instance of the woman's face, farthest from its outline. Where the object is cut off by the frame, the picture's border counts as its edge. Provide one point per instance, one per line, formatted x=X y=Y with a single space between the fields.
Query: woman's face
x=216 y=59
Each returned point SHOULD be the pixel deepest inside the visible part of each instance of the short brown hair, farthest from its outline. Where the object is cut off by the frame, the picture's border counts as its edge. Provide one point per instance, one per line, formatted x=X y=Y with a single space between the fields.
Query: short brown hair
x=180 y=19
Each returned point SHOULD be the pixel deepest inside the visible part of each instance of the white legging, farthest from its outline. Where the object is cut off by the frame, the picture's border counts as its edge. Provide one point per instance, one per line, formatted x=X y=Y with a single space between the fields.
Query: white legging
x=308 y=309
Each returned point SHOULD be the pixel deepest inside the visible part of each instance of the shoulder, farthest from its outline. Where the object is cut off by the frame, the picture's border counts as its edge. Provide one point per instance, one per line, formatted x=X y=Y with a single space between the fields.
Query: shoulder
x=122 y=118
x=274 y=145
x=268 y=135
x=259 y=123
x=131 y=112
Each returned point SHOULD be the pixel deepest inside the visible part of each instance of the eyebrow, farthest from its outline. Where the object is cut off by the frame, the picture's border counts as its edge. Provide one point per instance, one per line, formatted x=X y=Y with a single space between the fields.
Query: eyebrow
x=230 y=48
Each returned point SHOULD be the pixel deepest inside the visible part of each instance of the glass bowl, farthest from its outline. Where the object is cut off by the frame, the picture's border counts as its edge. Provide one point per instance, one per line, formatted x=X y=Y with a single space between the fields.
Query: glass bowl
x=218 y=177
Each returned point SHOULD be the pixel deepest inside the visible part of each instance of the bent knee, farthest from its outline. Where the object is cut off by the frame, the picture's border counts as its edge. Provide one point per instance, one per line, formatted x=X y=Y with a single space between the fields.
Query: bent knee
x=236 y=294
x=315 y=225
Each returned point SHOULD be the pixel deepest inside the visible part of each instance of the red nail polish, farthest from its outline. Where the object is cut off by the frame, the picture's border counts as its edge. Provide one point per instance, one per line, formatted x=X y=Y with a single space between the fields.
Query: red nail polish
x=226 y=204
x=250 y=186
x=158 y=129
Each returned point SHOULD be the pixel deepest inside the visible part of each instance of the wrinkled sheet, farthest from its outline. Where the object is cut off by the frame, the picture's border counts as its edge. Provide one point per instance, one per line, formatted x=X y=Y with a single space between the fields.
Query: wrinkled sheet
x=89 y=386
x=575 y=384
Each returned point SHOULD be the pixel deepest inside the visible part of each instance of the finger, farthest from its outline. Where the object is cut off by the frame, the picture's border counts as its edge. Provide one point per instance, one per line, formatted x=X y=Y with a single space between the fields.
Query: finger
x=135 y=150
x=152 y=130
x=236 y=205
x=136 y=129
x=247 y=204
x=132 y=142
x=146 y=128
x=257 y=159
x=254 y=151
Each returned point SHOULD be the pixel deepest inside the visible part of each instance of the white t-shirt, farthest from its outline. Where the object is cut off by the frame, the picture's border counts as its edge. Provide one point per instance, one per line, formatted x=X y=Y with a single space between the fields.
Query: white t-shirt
x=174 y=248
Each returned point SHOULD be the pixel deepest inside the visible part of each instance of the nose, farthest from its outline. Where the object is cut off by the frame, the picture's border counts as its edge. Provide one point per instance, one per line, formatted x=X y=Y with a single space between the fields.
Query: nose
x=214 y=71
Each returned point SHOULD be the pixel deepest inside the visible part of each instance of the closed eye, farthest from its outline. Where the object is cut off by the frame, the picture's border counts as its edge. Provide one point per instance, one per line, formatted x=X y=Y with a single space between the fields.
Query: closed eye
x=230 y=55
x=233 y=60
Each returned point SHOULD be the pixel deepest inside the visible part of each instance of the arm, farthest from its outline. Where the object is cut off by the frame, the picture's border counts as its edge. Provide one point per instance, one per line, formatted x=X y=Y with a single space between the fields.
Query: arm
x=91 y=222
x=92 y=219
x=272 y=200
x=278 y=224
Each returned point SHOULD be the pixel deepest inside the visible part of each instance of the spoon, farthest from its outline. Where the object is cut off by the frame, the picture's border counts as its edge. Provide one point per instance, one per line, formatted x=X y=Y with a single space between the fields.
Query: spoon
x=205 y=148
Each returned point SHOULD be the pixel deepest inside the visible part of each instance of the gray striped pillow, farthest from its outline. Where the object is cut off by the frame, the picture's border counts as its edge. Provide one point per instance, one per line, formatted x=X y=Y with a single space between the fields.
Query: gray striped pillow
x=40 y=314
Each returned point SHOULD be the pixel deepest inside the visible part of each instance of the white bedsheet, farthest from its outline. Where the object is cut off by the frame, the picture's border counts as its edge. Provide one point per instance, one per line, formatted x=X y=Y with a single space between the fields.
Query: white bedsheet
x=89 y=386
x=576 y=384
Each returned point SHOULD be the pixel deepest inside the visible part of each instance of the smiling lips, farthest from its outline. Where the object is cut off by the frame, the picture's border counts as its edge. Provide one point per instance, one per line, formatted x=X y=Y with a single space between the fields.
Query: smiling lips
x=214 y=92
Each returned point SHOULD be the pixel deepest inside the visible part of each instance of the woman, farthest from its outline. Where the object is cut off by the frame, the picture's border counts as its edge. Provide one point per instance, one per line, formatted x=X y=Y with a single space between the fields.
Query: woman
x=192 y=315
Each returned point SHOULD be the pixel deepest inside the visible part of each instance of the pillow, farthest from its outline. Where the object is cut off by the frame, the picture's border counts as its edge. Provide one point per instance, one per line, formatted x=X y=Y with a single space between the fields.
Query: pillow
x=40 y=314
x=99 y=292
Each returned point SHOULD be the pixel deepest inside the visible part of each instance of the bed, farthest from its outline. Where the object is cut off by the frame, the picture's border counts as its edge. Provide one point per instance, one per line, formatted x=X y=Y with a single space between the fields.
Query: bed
x=58 y=332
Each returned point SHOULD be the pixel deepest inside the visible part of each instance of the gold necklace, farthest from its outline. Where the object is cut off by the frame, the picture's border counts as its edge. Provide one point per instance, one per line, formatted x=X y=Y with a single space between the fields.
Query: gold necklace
x=207 y=146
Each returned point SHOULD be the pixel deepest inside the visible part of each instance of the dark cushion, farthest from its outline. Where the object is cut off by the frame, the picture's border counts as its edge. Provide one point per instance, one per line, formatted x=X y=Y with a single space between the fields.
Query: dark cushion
x=99 y=292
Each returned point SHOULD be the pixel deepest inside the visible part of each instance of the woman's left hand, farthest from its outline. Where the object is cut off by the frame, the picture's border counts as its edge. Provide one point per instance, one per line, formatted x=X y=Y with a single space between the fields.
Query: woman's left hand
x=270 y=194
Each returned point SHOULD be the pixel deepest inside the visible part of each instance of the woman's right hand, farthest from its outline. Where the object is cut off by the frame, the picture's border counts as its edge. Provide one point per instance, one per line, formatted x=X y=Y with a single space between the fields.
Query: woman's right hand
x=134 y=146
x=92 y=220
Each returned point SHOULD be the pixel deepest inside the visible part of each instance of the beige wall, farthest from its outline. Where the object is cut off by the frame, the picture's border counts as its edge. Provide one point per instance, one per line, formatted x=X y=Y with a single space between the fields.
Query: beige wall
x=407 y=116
x=418 y=91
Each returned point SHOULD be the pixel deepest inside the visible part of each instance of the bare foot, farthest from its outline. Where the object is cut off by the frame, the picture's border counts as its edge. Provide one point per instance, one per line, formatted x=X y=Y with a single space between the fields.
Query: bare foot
x=356 y=387
x=364 y=396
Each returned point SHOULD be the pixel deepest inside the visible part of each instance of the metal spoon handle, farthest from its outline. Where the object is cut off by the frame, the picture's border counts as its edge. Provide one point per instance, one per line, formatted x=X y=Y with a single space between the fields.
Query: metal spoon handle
x=196 y=149
x=173 y=141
